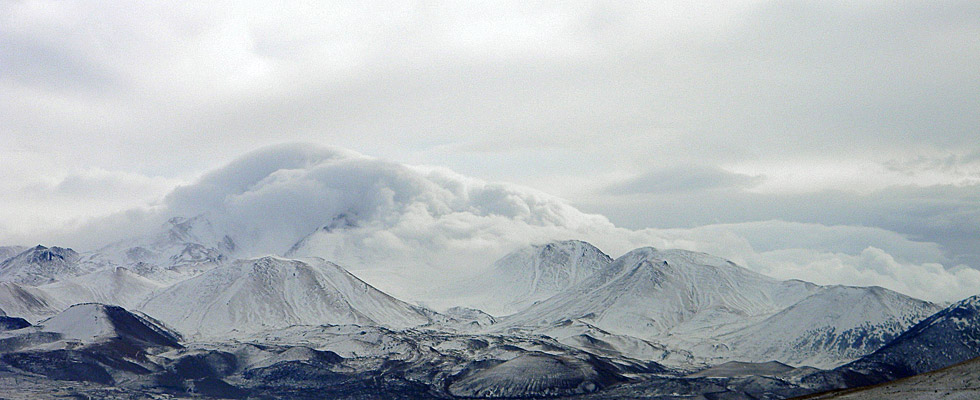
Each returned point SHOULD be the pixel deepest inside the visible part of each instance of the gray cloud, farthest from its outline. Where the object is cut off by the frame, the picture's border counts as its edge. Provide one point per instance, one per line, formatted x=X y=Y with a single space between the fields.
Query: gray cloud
x=408 y=225
x=692 y=83
x=945 y=214
x=683 y=179
x=572 y=95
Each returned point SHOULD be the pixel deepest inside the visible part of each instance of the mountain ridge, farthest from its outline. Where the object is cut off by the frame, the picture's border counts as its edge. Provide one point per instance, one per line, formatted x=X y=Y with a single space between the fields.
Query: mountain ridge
x=273 y=292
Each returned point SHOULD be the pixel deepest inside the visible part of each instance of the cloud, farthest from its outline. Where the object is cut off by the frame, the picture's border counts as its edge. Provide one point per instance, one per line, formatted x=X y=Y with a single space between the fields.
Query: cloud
x=665 y=83
x=683 y=179
x=49 y=205
x=775 y=235
x=946 y=214
x=578 y=98
x=873 y=266
x=275 y=196
x=404 y=227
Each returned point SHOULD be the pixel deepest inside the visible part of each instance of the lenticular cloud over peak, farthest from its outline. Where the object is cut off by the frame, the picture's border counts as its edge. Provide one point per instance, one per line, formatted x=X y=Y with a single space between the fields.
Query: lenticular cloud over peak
x=398 y=225
x=345 y=204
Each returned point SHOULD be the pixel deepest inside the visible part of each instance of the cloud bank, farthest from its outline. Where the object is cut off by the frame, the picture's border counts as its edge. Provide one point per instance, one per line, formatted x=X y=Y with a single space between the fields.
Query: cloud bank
x=403 y=227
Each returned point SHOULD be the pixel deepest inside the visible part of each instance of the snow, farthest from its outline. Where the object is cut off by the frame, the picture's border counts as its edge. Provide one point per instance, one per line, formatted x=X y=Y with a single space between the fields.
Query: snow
x=83 y=322
x=28 y=302
x=272 y=292
x=736 y=368
x=719 y=311
x=179 y=249
x=10 y=251
x=529 y=275
x=39 y=265
x=114 y=286
x=835 y=325
x=944 y=338
x=676 y=307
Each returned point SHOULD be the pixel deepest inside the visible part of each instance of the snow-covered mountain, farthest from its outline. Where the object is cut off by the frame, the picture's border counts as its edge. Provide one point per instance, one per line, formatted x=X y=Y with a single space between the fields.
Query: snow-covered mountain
x=113 y=286
x=180 y=248
x=95 y=343
x=272 y=292
x=835 y=324
x=39 y=265
x=40 y=281
x=649 y=293
x=535 y=374
x=531 y=274
x=720 y=311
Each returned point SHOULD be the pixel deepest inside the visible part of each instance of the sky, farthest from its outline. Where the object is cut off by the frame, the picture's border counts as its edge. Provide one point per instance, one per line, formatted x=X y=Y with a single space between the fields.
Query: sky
x=829 y=141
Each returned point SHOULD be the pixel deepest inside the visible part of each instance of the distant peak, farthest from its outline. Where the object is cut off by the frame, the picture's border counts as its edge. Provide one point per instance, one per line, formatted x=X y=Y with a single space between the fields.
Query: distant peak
x=642 y=253
x=341 y=221
x=562 y=245
x=49 y=253
x=270 y=261
x=266 y=259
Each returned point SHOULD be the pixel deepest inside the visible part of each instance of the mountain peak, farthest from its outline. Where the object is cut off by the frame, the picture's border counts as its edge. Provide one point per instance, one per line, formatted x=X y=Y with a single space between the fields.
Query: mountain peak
x=271 y=292
x=647 y=293
x=179 y=244
x=534 y=273
x=52 y=252
x=197 y=229
x=39 y=265
x=341 y=221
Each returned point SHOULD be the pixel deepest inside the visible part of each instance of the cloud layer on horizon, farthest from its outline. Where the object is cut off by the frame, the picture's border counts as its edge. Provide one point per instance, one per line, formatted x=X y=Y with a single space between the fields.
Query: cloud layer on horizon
x=400 y=226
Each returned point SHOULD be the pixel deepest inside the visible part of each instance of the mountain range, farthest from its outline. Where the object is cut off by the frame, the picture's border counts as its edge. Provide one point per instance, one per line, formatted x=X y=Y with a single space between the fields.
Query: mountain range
x=555 y=319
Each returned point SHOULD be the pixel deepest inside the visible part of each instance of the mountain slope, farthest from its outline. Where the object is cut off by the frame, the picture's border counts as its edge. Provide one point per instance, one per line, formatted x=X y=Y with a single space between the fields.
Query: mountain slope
x=87 y=343
x=949 y=336
x=114 y=286
x=271 y=292
x=93 y=322
x=838 y=323
x=531 y=274
x=180 y=248
x=957 y=382
x=28 y=302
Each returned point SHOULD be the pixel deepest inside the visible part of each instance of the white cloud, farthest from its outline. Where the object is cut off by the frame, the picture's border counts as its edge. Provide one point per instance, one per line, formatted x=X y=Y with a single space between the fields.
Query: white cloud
x=48 y=203
x=404 y=227
x=821 y=98
x=873 y=266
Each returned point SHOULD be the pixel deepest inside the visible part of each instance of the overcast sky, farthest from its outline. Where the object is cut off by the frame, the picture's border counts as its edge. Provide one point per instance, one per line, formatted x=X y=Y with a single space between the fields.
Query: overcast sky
x=840 y=117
